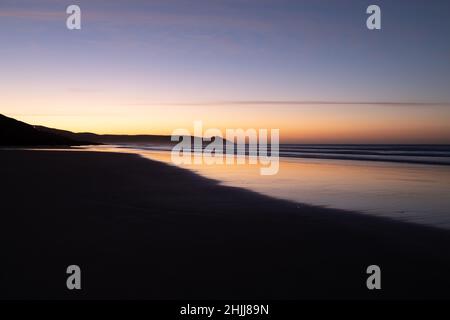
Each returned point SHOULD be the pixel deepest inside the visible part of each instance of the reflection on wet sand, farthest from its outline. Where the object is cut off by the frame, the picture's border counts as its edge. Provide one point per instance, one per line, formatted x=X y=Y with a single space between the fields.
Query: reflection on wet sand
x=412 y=192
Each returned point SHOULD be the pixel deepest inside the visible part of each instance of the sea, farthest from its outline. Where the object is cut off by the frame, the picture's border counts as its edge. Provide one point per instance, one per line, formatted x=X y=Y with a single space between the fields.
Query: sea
x=402 y=182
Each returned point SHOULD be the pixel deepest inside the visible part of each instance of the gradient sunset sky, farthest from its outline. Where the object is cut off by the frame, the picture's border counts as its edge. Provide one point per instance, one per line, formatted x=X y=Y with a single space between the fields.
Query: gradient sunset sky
x=154 y=66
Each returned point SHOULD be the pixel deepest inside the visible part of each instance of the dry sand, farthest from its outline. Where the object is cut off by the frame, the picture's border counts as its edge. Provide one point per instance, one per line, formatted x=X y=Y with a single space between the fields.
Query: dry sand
x=141 y=229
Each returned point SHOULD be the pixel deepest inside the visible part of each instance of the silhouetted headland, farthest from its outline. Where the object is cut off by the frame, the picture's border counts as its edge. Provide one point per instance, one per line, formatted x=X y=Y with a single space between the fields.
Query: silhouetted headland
x=108 y=138
x=17 y=133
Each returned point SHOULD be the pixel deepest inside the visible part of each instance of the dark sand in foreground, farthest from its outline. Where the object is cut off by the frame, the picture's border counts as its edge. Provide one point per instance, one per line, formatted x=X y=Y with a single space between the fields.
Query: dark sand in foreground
x=142 y=229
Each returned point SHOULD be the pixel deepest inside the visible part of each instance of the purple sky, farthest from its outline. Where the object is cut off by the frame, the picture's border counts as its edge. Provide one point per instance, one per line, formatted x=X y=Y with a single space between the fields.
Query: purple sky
x=151 y=66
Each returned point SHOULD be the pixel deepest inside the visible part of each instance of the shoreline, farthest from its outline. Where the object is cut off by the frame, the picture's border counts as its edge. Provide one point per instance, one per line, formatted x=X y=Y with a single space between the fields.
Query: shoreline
x=325 y=188
x=141 y=229
x=358 y=157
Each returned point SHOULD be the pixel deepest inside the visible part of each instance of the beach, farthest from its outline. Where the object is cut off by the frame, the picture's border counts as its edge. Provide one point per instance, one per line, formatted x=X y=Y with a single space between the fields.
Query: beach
x=142 y=229
x=405 y=191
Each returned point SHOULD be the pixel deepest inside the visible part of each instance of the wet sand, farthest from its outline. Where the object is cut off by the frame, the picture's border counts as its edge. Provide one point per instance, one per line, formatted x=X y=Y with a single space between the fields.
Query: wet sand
x=141 y=229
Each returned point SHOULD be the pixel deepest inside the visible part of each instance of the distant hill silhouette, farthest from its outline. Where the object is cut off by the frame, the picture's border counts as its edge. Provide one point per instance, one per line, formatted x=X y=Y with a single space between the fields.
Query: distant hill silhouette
x=17 y=133
x=107 y=138
x=113 y=138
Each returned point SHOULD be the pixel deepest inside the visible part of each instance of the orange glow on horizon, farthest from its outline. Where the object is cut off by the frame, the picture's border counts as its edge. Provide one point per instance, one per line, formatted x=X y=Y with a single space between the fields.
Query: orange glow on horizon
x=303 y=124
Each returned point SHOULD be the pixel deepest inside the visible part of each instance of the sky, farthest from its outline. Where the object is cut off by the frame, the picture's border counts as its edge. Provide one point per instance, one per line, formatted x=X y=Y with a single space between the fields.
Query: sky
x=309 y=68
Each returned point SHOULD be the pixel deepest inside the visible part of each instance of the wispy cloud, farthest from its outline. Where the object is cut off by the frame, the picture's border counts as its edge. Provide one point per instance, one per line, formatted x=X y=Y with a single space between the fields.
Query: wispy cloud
x=290 y=103
x=32 y=14
x=136 y=17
